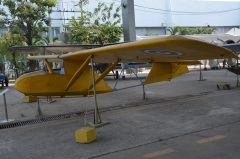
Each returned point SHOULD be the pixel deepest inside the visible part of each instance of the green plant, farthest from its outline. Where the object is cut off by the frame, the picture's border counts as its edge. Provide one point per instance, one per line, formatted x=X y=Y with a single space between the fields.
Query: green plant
x=6 y=42
x=173 y=30
x=98 y=27
x=28 y=18
x=190 y=30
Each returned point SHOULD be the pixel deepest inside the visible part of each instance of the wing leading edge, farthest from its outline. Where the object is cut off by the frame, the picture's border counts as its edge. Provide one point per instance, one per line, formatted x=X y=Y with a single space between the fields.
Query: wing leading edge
x=168 y=49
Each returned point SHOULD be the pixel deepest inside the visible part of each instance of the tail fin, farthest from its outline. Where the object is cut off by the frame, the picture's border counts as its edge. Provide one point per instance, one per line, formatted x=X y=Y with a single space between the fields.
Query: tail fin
x=165 y=72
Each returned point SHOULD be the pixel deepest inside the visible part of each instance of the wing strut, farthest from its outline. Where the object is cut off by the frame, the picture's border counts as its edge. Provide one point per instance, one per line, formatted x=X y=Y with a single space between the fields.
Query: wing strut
x=78 y=73
x=112 y=66
x=50 y=70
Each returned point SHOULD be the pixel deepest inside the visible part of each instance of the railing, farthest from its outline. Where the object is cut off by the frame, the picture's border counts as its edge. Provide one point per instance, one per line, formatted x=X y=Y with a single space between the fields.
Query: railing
x=3 y=93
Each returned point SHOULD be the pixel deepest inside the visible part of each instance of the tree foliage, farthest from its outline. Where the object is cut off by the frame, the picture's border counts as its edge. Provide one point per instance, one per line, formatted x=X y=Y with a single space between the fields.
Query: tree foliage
x=98 y=27
x=29 y=18
x=6 y=42
x=190 y=30
x=2 y=17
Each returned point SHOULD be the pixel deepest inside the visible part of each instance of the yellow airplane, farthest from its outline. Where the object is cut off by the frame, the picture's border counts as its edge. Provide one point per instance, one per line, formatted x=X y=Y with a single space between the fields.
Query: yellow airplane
x=169 y=57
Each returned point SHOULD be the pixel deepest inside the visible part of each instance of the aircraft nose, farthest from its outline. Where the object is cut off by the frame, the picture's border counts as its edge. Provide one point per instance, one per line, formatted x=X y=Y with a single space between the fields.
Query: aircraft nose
x=21 y=84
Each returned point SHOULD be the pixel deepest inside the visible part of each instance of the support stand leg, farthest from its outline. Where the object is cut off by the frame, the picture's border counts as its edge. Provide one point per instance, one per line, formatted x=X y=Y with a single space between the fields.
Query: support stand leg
x=237 y=74
x=200 y=74
x=115 y=85
x=143 y=86
x=39 y=111
x=123 y=68
x=144 y=93
x=5 y=107
x=50 y=100
x=237 y=80
x=97 y=121
x=117 y=75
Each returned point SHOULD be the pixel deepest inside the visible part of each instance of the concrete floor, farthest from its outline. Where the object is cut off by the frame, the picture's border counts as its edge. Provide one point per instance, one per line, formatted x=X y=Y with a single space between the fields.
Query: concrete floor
x=220 y=143
x=182 y=86
x=184 y=118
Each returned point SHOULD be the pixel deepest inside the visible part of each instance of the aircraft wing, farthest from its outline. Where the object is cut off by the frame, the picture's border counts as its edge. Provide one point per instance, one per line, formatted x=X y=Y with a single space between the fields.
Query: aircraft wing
x=168 y=49
x=169 y=57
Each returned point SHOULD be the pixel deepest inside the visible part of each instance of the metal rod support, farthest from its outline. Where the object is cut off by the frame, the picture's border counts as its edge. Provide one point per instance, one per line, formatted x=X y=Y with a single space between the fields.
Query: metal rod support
x=142 y=83
x=115 y=85
x=144 y=92
x=5 y=106
x=39 y=111
x=201 y=76
x=97 y=118
x=237 y=74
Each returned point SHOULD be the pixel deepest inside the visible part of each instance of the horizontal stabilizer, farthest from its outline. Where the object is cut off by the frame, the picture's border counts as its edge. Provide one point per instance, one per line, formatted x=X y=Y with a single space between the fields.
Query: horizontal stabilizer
x=49 y=58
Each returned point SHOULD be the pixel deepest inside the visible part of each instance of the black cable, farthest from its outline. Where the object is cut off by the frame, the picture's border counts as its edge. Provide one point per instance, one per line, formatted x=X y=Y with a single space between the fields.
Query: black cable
x=183 y=12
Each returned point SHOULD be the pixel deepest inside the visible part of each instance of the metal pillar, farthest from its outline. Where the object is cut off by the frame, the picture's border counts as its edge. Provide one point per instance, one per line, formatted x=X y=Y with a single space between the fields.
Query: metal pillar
x=129 y=27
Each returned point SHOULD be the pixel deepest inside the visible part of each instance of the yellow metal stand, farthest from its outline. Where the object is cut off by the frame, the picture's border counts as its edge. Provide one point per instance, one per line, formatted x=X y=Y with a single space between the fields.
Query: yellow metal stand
x=97 y=121
x=85 y=135
x=29 y=99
